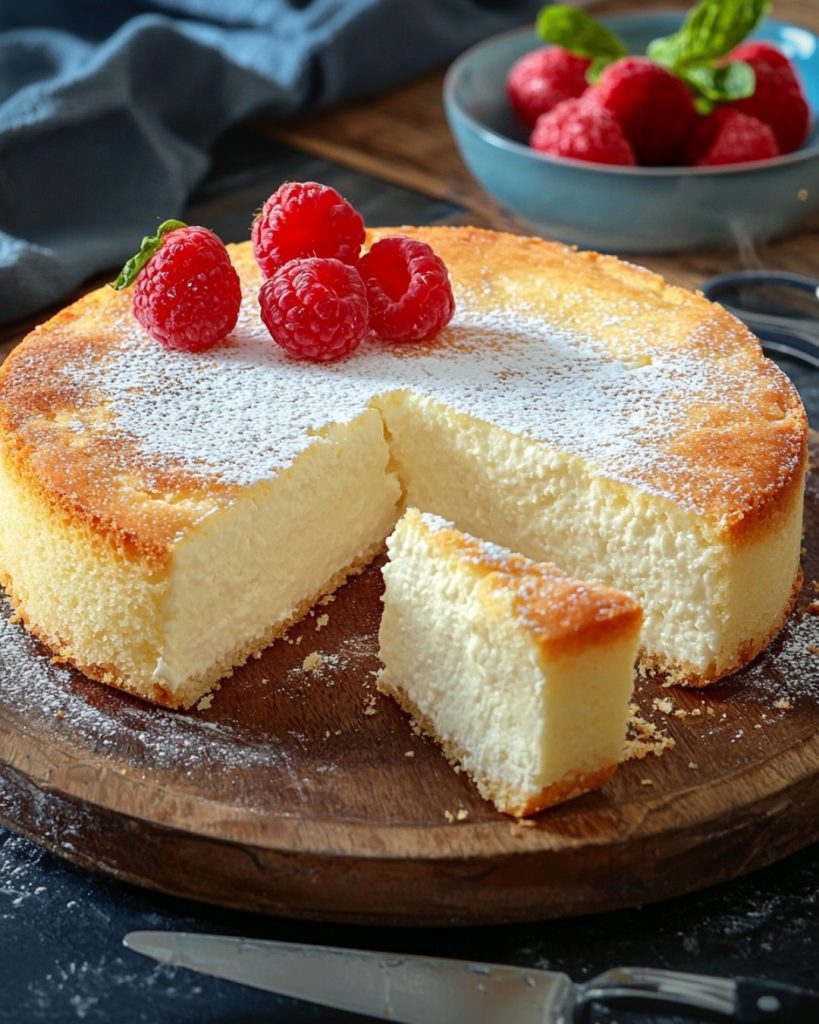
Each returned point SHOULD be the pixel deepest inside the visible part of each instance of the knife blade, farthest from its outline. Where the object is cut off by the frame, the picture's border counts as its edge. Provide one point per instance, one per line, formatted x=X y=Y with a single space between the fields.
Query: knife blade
x=430 y=990
x=408 y=989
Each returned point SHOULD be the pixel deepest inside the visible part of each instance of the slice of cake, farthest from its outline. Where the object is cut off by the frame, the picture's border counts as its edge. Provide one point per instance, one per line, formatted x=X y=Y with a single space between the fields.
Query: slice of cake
x=521 y=673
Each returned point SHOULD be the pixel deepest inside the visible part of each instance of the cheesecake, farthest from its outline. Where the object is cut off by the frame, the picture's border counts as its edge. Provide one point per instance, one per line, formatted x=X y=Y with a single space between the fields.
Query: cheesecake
x=168 y=514
x=522 y=674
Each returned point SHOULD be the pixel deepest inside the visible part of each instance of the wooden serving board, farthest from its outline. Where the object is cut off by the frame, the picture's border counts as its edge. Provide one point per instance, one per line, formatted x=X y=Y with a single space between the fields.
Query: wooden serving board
x=306 y=793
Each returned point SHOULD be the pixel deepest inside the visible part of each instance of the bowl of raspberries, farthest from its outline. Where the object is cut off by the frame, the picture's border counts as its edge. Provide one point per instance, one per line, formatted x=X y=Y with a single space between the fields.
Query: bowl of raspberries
x=654 y=132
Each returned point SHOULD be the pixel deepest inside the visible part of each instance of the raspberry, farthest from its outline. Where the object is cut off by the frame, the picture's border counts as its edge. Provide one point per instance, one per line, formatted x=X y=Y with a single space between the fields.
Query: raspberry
x=408 y=290
x=187 y=293
x=729 y=137
x=304 y=218
x=778 y=99
x=315 y=308
x=582 y=131
x=655 y=109
x=543 y=78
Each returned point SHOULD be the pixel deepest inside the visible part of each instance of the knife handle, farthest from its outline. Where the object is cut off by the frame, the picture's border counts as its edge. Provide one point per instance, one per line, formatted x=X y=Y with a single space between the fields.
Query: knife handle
x=771 y=1002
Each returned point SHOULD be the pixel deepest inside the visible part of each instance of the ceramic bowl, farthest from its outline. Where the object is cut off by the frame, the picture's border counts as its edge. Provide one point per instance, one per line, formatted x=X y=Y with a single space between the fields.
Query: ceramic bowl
x=629 y=209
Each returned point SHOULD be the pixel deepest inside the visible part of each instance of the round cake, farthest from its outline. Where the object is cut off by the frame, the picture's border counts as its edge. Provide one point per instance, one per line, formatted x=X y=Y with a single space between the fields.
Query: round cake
x=168 y=514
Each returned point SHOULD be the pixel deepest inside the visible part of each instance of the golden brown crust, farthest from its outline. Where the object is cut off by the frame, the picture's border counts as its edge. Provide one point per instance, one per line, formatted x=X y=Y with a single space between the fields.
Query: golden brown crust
x=507 y=800
x=563 y=614
x=676 y=673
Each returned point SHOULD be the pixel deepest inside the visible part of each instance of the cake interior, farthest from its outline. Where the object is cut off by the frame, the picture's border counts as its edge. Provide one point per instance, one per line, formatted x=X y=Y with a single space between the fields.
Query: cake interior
x=479 y=652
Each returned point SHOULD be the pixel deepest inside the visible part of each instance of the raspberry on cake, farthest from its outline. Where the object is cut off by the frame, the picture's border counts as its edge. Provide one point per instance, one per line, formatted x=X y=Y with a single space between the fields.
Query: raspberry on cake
x=315 y=308
x=187 y=294
x=303 y=219
x=408 y=290
x=576 y=409
x=522 y=674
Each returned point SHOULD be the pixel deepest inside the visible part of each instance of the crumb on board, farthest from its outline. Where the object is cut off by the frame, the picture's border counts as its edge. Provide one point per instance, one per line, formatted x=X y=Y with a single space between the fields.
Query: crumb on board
x=644 y=738
x=409 y=753
x=322 y=621
x=327 y=599
x=783 y=704
x=450 y=817
x=646 y=782
x=663 y=704
x=204 y=702
x=693 y=765
x=312 y=662
x=461 y=814
x=369 y=706
x=59 y=714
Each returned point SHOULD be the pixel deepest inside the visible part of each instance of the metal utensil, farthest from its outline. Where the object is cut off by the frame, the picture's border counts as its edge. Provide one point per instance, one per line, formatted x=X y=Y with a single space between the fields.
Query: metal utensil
x=430 y=990
x=782 y=332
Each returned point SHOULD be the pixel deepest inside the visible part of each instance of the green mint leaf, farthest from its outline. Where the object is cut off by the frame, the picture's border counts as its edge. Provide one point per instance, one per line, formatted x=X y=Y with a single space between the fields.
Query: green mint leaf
x=578 y=33
x=149 y=245
x=712 y=29
x=732 y=81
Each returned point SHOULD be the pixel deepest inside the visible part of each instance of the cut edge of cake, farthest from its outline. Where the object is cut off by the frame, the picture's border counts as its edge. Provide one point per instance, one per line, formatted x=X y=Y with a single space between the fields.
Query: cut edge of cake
x=520 y=673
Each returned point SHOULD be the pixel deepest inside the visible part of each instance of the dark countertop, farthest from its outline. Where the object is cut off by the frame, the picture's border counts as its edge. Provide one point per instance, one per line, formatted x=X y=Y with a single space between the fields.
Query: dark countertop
x=61 y=928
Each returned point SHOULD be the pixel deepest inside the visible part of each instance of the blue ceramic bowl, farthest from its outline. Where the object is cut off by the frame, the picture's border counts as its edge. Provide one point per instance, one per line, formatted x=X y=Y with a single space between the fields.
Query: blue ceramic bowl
x=629 y=209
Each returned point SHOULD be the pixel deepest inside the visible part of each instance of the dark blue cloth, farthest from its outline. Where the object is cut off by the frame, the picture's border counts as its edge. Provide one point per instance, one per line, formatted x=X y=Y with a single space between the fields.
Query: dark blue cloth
x=108 y=107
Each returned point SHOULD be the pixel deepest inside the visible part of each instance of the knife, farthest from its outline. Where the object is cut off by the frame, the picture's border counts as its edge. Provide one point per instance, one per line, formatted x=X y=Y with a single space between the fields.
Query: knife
x=431 y=990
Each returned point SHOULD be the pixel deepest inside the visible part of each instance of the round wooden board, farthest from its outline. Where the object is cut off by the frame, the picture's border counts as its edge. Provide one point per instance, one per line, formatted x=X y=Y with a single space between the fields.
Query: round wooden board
x=306 y=793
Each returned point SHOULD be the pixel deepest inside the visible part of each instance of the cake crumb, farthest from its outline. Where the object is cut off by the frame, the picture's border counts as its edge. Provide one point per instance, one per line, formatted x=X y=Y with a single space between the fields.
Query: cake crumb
x=327 y=734
x=663 y=704
x=327 y=599
x=646 y=782
x=645 y=738
x=524 y=823
x=696 y=712
x=337 y=732
x=322 y=621
x=205 y=702
x=783 y=704
x=369 y=706
x=758 y=725
x=710 y=711
x=461 y=814
x=312 y=662
x=409 y=753
x=450 y=817
x=264 y=680
x=59 y=714
x=298 y=639
x=693 y=765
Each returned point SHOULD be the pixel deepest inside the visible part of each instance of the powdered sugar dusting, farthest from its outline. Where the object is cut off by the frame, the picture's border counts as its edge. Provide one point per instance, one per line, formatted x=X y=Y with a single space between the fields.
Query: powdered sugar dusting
x=244 y=410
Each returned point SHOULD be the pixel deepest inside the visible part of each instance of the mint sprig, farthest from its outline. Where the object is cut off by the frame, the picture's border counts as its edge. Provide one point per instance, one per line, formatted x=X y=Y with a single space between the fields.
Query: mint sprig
x=710 y=31
x=147 y=248
x=578 y=33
